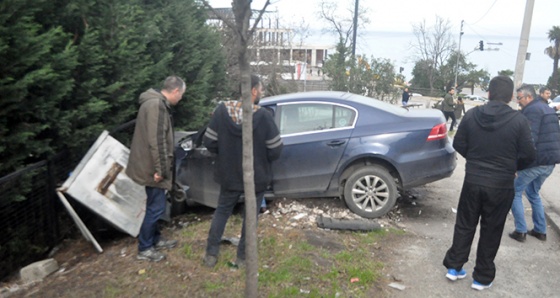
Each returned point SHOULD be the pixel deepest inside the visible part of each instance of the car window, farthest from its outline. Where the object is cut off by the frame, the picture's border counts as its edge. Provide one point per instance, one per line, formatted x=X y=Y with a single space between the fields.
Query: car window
x=310 y=117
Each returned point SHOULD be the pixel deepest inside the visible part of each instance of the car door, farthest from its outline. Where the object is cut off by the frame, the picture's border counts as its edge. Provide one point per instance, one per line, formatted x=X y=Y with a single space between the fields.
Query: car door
x=315 y=135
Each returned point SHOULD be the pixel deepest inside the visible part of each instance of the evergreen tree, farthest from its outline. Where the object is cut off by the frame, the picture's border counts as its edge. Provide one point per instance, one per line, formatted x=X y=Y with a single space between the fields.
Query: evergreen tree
x=189 y=48
x=35 y=78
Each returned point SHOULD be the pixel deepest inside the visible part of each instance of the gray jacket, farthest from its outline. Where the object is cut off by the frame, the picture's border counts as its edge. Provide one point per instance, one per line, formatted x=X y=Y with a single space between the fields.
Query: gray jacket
x=151 y=150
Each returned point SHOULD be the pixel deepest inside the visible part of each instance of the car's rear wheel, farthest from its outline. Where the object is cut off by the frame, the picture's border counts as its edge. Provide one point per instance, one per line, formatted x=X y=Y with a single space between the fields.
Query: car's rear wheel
x=370 y=191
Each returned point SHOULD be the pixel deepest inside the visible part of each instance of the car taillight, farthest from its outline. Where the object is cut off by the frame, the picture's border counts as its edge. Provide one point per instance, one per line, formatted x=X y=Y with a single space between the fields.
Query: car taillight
x=438 y=132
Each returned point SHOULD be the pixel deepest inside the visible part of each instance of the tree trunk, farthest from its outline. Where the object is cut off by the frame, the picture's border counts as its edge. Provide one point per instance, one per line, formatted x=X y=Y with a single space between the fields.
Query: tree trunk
x=242 y=12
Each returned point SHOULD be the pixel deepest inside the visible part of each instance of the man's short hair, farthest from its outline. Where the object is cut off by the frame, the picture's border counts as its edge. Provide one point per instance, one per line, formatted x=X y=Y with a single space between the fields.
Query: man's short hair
x=527 y=91
x=500 y=88
x=543 y=89
x=450 y=88
x=173 y=82
x=255 y=80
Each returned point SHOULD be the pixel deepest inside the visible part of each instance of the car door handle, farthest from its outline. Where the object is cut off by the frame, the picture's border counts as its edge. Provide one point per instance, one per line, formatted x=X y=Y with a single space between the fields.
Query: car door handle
x=336 y=143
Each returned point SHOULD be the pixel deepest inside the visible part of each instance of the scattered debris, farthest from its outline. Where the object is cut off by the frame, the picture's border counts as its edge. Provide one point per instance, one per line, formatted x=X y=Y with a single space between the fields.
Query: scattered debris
x=362 y=224
x=231 y=240
x=397 y=286
x=354 y=279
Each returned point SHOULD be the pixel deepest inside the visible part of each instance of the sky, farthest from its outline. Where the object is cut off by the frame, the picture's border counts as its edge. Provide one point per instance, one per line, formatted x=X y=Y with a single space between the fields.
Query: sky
x=482 y=17
x=488 y=20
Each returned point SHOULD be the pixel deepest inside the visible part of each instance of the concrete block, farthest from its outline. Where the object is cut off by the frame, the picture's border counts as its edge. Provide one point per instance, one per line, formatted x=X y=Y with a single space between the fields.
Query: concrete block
x=38 y=270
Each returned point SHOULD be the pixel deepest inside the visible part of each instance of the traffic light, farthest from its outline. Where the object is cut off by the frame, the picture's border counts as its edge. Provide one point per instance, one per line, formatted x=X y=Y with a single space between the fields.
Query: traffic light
x=481 y=45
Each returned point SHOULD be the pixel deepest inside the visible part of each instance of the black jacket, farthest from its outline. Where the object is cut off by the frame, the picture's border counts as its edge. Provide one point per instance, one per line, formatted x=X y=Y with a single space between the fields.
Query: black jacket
x=496 y=142
x=545 y=132
x=224 y=137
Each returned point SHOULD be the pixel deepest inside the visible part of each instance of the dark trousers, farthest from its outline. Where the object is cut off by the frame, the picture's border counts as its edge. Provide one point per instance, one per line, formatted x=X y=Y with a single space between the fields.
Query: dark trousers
x=453 y=119
x=491 y=206
x=155 y=206
x=226 y=202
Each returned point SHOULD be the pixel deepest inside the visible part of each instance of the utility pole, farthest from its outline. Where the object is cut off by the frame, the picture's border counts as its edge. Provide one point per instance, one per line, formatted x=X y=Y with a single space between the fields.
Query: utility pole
x=458 y=54
x=523 y=44
x=355 y=29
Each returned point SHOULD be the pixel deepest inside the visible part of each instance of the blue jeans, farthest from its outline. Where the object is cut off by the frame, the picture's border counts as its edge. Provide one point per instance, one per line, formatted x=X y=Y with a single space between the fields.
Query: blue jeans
x=227 y=201
x=530 y=180
x=155 y=207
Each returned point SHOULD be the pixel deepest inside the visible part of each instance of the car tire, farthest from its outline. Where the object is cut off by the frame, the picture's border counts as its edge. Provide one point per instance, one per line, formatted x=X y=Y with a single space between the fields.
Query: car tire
x=370 y=191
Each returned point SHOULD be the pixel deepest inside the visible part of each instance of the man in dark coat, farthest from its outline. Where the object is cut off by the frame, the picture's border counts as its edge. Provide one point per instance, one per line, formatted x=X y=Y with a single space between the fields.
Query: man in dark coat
x=546 y=136
x=223 y=137
x=151 y=161
x=405 y=96
x=496 y=142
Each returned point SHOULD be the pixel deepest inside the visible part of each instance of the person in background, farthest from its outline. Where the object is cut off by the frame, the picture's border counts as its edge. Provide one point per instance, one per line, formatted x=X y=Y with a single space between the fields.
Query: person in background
x=546 y=136
x=459 y=108
x=544 y=95
x=496 y=142
x=448 y=107
x=223 y=137
x=405 y=96
x=151 y=162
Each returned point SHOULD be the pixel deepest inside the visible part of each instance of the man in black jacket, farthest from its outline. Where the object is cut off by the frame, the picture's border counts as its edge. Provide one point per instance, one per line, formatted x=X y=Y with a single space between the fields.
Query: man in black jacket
x=496 y=142
x=223 y=137
x=546 y=136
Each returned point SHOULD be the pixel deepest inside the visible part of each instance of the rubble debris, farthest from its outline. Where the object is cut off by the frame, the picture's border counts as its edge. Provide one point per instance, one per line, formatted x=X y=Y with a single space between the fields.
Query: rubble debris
x=397 y=286
x=350 y=224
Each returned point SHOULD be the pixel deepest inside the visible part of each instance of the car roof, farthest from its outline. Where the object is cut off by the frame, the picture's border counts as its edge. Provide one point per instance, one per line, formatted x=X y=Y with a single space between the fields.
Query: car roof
x=332 y=96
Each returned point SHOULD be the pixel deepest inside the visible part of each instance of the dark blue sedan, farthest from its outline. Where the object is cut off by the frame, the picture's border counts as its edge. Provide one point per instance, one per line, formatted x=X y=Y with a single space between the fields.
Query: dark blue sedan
x=339 y=145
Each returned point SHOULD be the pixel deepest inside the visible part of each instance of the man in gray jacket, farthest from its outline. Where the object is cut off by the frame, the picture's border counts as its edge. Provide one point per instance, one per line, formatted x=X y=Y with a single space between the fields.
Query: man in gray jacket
x=151 y=161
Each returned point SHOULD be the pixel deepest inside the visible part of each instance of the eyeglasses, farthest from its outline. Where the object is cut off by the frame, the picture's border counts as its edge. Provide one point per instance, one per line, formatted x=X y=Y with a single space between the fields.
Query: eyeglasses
x=520 y=97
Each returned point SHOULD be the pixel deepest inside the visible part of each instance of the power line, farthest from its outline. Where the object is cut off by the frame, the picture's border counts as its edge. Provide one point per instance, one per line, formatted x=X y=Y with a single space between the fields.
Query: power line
x=487 y=11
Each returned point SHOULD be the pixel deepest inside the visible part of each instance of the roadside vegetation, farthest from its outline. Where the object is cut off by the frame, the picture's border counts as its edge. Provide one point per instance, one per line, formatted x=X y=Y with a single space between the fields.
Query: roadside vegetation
x=296 y=258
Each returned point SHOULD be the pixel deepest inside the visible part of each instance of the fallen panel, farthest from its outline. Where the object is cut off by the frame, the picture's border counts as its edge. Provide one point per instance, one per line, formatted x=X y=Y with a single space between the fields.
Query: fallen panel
x=99 y=182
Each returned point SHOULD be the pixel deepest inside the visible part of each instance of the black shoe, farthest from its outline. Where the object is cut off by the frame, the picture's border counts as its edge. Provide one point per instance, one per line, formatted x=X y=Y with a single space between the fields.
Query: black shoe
x=210 y=261
x=540 y=236
x=518 y=236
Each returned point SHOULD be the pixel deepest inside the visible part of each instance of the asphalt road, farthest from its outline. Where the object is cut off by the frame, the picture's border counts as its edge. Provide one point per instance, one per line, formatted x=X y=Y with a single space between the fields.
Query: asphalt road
x=530 y=269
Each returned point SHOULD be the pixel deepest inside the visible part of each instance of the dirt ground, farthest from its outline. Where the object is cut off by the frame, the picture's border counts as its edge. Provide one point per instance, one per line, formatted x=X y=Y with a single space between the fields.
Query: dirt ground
x=85 y=273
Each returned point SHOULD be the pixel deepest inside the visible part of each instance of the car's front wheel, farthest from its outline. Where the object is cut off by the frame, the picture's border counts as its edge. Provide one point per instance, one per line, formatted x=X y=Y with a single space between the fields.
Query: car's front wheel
x=370 y=191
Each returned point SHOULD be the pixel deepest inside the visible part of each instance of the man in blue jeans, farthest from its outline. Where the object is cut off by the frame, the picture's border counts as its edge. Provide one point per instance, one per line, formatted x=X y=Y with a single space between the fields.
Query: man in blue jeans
x=151 y=162
x=546 y=136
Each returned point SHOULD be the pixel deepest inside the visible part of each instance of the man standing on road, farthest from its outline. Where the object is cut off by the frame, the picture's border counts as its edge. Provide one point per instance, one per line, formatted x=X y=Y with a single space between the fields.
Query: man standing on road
x=496 y=142
x=151 y=162
x=405 y=96
x=224 y=138
x=546 y=136
x=448 y=107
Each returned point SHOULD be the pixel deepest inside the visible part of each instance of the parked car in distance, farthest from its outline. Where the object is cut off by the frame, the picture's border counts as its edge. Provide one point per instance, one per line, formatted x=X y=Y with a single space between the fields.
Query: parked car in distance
x=554 y=103
x=338 y=144
x=476 y=98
